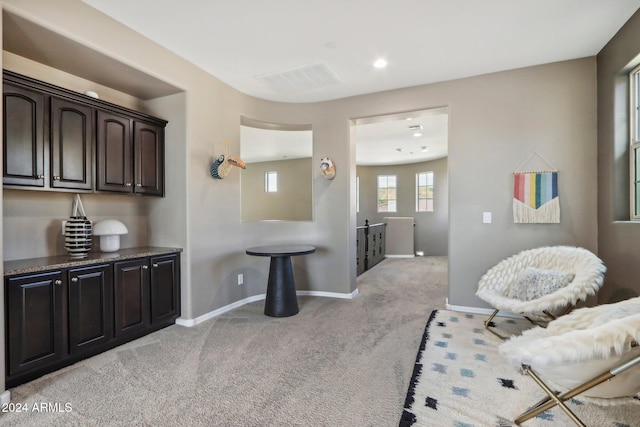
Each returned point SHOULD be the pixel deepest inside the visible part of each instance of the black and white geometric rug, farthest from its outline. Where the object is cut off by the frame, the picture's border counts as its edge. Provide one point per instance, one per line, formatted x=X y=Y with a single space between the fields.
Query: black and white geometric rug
x=460 y=380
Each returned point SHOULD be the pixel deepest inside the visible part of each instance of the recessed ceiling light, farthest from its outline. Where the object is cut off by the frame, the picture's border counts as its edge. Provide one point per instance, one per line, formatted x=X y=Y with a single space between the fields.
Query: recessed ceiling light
x=417 y=134
x=380 y=63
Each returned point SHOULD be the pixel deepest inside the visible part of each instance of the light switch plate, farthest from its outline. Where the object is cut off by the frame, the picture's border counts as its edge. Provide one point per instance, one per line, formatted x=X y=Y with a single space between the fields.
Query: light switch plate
x=486 y=217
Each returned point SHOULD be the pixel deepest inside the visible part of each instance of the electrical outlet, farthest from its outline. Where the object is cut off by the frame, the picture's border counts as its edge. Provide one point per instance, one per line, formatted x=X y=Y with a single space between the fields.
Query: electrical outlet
x=240 y=279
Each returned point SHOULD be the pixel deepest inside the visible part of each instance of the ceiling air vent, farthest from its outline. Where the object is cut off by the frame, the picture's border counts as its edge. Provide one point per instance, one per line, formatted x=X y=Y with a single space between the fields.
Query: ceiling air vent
x=301 y=79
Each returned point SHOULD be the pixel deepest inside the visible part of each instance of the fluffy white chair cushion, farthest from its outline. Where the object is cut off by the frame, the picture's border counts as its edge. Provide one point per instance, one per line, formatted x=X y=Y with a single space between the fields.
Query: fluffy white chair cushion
x=534 y=283
x=575 y=348
x=587 y=267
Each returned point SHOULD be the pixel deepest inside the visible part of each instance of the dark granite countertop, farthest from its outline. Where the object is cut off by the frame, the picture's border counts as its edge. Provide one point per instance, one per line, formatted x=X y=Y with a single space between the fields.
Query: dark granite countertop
x=34 y=265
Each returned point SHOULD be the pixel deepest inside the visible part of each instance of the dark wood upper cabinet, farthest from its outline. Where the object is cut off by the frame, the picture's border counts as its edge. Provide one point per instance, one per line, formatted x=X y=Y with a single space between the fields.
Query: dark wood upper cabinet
x=24 y=145
x=57 y=139
x=115 y=153
x=130 y=155
x=148 y=142
x=71 y=145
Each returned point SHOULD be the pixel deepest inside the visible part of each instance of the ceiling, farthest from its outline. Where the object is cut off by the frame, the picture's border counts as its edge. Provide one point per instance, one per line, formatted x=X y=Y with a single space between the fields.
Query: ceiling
x=318 y=50
x=416 y=136
x=315 y=50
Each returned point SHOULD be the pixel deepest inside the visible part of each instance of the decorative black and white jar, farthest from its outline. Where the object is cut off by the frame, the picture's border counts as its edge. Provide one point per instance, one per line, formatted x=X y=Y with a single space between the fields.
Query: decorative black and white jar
x=77 y=236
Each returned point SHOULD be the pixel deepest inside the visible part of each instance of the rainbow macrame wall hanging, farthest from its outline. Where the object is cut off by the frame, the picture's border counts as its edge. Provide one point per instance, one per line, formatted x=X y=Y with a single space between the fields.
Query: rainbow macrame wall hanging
x=535 y=195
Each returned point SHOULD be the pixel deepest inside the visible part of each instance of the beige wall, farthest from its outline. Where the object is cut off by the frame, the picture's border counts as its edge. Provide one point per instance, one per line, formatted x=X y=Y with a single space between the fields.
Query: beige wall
x=617 y=237
x=495 y=122
x=292 y=202
x=431 y=228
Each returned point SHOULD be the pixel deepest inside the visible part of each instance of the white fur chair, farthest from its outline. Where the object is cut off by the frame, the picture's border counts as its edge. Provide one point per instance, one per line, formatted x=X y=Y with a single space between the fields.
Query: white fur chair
x=591 y=352
x=505 y=286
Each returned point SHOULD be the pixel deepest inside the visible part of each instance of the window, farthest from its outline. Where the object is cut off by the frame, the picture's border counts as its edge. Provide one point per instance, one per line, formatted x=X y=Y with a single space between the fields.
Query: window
x=387 y=193
x=271 y=182
x=634 y=167
x=424 y=192
x=357 y=194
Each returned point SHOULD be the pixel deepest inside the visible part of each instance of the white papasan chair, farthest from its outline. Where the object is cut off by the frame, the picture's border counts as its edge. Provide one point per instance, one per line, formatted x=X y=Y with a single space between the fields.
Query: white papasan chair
x=542 y=283
x=591 y=353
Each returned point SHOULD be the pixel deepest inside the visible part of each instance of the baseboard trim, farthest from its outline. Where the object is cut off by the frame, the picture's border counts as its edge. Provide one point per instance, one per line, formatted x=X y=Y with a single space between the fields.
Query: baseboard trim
x=352 y=295
x=193 y=322
x=5 y=397
x=400 y=256
x=478 y=310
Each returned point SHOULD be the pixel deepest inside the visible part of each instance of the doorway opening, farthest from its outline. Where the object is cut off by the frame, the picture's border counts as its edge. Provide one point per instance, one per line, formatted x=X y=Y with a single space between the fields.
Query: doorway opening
x=402 y=182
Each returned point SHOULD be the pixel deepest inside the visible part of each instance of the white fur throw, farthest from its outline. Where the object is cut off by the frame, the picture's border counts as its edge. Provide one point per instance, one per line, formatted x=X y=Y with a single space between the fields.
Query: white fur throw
x=495 y=284
x=585 y=334
x=581 y=345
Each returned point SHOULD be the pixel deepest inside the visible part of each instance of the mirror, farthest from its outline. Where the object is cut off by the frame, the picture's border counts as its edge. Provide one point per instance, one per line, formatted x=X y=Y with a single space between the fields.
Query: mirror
x=277 y=183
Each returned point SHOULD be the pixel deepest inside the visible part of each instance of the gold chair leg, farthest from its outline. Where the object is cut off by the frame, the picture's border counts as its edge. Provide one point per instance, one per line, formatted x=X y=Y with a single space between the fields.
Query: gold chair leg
x=558 y=399
x=488 y=327
x=553 y=400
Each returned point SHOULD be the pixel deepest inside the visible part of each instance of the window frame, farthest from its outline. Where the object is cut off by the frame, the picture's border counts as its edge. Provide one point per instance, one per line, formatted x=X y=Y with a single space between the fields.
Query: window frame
x=427 y=185
x=634 y=144
x=271 y=177
x=395 y=199
x=357 y=194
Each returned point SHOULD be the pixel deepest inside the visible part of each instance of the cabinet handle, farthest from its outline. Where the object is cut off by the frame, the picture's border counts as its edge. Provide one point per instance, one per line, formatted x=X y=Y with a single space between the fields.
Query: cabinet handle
x=40 y=176
x=127 y=184
x=155 y=265
x=74 y=279
x=138 y=185
x=57 y=282
x=145 y=267
x=56 y=178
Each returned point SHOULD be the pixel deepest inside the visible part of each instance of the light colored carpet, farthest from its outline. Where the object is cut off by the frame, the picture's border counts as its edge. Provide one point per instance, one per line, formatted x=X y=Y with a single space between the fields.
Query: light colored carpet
x=337 y=363
x=465 y=382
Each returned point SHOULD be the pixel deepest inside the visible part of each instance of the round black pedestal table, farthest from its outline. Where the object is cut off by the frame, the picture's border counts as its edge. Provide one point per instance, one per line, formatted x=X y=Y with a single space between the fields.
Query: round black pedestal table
x=281 y=298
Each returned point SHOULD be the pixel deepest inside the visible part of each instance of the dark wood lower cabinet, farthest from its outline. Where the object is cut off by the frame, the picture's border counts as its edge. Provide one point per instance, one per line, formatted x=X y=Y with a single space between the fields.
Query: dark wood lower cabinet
x=56 y=318
x=165 y=289
x=132 y=296
x=90 y=307
x=34 y=321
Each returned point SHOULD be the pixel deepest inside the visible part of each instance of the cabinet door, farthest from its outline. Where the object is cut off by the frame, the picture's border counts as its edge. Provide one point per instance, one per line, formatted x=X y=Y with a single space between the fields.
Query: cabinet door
x=148 y=144
x=165 y=289
x=71 y=143
x=131 y=296
x=34 y=321
x=115 y=153
x=24 y=148
x=90 y=307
